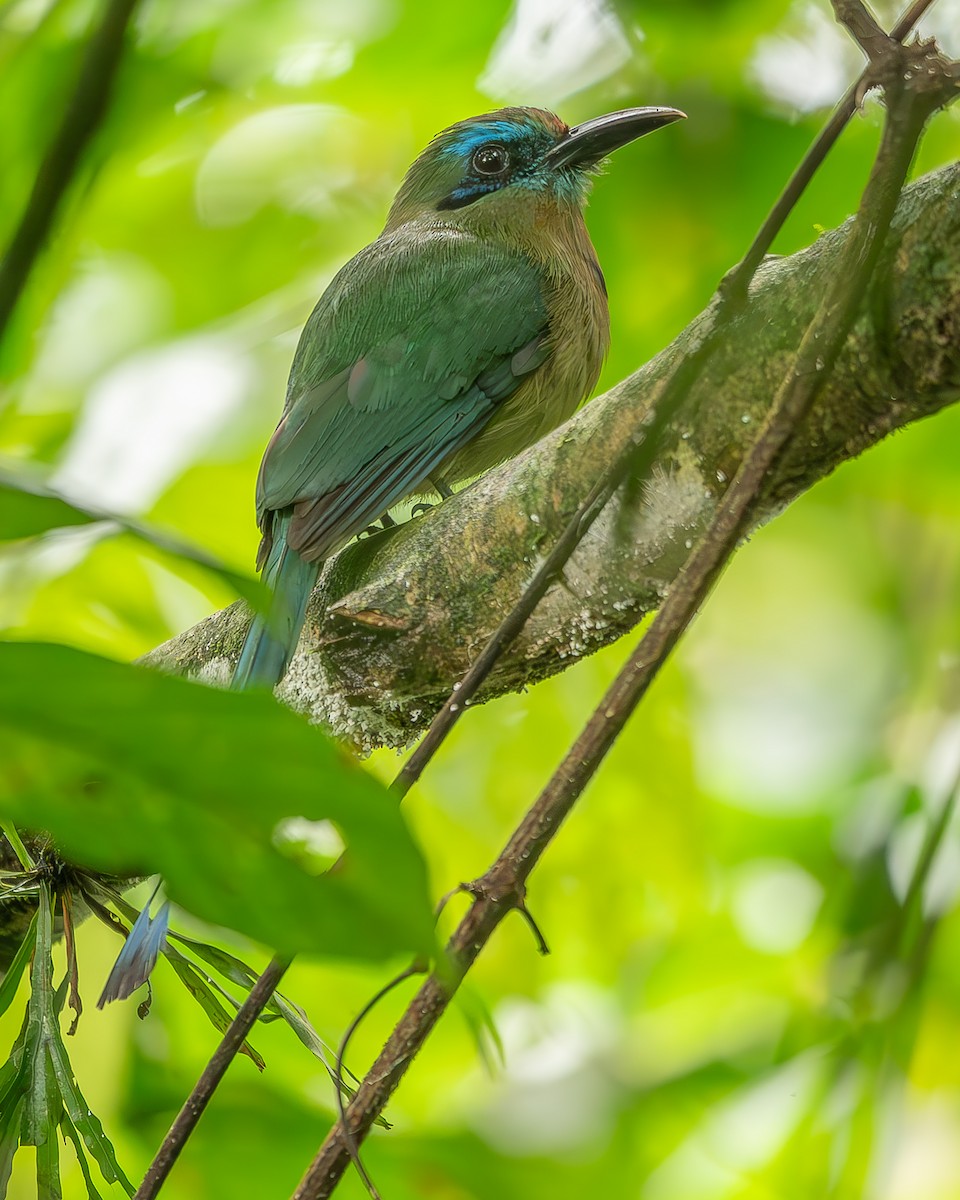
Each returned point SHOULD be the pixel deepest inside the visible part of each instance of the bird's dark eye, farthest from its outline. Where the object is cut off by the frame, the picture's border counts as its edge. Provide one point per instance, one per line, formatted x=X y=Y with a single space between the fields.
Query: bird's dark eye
x=491 y=159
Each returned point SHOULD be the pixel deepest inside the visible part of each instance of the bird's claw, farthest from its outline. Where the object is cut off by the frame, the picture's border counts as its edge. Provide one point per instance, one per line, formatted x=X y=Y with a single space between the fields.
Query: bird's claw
x=386 y=522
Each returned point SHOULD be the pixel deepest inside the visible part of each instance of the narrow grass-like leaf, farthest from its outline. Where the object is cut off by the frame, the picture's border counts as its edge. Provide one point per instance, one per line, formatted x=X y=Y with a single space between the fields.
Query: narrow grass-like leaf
x=296 y=1018
x=30 y=507
x=171 y=954
x=11 y=981
x=38 y=1079
x=86 y=1124
x=298 y=1022
x=69 y=1131
x=225 y=964
x=41 y=1114
x=217 y=1014
x=13 y=837
x=483 y=1029
x=48 y=1169
x=12 y=1084
x=10 y=1115
x=238 y=972
x=230 y=967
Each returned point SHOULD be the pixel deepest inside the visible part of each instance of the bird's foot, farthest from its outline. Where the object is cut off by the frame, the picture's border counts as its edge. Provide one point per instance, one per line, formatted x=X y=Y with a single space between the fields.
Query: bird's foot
x=386 y=522
x=440 y=487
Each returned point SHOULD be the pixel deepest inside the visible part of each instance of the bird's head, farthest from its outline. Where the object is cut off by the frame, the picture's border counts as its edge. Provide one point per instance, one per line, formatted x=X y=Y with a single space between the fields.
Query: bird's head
x=478 y=163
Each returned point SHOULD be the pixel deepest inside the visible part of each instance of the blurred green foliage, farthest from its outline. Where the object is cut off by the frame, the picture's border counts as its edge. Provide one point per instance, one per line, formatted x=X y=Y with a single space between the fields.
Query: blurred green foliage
x=225 y=795
x=746 y=997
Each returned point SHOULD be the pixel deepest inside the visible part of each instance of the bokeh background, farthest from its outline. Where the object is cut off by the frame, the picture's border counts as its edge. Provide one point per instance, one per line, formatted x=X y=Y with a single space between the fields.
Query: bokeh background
x=745 y=996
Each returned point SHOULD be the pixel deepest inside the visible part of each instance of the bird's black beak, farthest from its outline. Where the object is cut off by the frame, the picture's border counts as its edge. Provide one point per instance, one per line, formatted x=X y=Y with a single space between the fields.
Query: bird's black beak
x=585 y=145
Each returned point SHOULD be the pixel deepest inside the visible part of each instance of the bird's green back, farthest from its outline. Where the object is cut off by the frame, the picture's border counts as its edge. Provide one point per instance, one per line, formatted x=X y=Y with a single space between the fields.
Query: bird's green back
x=396 y=368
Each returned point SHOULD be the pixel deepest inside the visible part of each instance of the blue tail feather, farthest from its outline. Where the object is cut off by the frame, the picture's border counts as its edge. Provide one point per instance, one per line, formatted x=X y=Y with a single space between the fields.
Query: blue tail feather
x=272 y=637
x=268 y=648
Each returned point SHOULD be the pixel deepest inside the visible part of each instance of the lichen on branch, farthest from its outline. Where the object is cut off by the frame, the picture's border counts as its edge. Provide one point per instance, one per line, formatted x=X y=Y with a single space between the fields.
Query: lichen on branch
x=398 y=617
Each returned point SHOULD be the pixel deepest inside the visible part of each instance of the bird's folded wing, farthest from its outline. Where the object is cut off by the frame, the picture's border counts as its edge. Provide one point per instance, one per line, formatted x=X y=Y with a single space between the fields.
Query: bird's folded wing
x=405 y=358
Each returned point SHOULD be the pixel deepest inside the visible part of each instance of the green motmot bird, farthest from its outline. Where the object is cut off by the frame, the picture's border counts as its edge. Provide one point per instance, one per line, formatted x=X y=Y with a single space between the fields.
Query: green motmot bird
x=474 y=324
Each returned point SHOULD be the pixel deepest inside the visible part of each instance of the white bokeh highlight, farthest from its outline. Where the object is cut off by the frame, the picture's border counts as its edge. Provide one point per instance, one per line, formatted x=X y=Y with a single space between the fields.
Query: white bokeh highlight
x=808 y=65
x=774 y=904
x=299 y=157
x=150 y=417
x=552 y=48
x=556 y=1093
x=737 y=1136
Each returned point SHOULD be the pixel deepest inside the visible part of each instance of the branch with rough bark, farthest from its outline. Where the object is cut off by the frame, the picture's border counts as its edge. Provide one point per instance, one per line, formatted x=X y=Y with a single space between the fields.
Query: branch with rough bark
x=804 y=380
x=397 y=618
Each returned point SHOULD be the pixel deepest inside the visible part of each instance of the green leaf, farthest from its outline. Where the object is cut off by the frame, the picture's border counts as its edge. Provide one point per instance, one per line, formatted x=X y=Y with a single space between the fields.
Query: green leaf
x=230 y=968
x=16 y=842
x=79 y=1115
x=41 y=1115
x=175 y=957
x=483 y=1029
x=49 y=1089
x=29 y=507
x=11 y=1075
x=69 y=1131
x=38 y=1091
x=9 y=1139
x=199 y=988
x=48 y=1169
x=227 y=964
x=278 y=1007
x=297 y=1020
x=11 y=981
x=133 y=771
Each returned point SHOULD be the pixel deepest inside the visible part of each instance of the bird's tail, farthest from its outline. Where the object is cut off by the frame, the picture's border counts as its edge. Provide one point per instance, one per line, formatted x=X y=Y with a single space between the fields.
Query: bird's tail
x=272 y=637
x=269 y=646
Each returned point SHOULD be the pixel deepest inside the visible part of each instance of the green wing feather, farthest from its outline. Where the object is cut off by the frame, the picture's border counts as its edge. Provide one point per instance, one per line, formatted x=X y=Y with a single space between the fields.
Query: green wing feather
x=405 y=358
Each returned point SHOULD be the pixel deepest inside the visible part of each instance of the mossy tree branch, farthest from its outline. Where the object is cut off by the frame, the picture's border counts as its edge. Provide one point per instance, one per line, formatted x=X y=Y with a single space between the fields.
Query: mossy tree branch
x=398 y=617
x=503 y=886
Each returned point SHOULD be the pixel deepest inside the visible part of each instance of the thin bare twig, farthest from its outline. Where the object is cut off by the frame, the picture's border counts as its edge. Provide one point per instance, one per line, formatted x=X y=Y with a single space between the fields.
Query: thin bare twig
x=735 y=283
x=864 y=28
x=502 y=887
x=196 y=1102
x=633 y=459
x=352 y=1148
x=633 y=463
x=70 y=947
x=83 y=114
x=636 y=460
